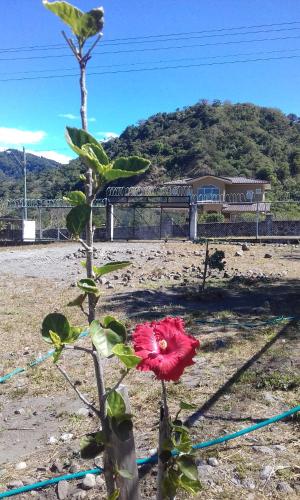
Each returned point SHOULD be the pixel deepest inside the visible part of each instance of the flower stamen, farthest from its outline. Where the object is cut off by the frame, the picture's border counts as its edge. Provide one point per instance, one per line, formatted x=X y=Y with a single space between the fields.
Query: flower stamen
x=163 y=344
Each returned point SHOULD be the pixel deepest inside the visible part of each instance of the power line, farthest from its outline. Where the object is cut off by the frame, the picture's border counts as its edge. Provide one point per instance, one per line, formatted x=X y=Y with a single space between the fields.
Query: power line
x=152 y=37
x=155 y=62
x=153 y=68
x=155 y=49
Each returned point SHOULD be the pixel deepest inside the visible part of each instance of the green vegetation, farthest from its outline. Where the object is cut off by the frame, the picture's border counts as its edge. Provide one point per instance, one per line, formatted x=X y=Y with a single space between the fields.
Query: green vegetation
x=207 y=138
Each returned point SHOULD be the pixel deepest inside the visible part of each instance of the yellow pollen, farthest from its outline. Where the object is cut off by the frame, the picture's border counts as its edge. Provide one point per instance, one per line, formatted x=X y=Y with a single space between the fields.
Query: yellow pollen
x=163 y=344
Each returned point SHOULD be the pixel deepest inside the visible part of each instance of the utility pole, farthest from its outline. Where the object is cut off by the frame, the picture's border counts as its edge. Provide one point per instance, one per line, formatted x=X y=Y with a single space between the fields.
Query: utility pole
x=25 y=183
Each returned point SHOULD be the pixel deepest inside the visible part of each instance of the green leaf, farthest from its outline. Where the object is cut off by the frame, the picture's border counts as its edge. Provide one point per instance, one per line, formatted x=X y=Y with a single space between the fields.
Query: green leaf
x=77 y=219
x=126 y=355
x=88 y=285
x=69 y=14
x=55 y=339
x=74 y=334
x=124 y=473
x=104 y=339
x=189 y=485
x=110 y=267
x=115 y=404
x=83 y=25
x=77 y=137
x=91 y=23
x=170 y=483
x=183 y=441
x=126 y=167
x=188 y=467
x=115 y=325
x=92 y=445
x=58 y=323
x=95 y=152
x=57 y=353
x=78 y=301
x=76 y=198
x=115 y=495
x=187 y=406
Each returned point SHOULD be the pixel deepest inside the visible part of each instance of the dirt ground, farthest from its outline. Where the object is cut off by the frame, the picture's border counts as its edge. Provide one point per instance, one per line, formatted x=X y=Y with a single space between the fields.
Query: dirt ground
x=246 y=370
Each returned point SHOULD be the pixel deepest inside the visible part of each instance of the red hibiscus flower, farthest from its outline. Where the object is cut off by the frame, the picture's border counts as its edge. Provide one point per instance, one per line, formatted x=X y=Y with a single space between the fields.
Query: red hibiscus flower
x=165 y=348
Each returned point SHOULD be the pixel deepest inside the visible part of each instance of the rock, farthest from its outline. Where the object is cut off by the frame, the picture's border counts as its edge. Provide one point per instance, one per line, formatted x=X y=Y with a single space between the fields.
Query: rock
x=83 y=412
x=66 y=437
x=103 y=281
x=21 y=466
x=205 y=473
x=264 y=450
x=20 y=411
x=239 y=253
x=63 y=490
x=14 y=484
x=245 y=247
x=249 y=484
x=284 y=487
x=266 y=472
x=52 y=440
x=89 y=482
x=57 y=466
x=280 y=447
x=268 y=256
x=78 y=495
x=213 y=462
x=100 y=481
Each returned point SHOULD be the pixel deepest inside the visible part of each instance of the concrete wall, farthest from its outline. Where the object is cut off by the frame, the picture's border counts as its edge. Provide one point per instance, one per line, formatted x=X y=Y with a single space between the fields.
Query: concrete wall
x=265 y=228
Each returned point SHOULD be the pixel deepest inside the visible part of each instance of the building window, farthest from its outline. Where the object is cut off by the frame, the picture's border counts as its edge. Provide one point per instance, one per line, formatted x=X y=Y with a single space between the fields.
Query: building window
x=249 y=195
x=208 y=193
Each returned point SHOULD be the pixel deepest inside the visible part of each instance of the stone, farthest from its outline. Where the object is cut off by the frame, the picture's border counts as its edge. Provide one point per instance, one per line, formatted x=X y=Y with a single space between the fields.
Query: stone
x=79 y=495
x=21 y=466
x=63 y=490
x=20 y=411
x=264 y=450
x=245 y=247
x=249 y=484
x=284 y=487
x=268 y=256
x=213 y=462
x=57 y=466
x=89 y=482
x=266 y=472
x=67 y=436
x=100 y=481
x=205 y=473
x=239 y=253
x=83 y=412
x=280 y=447
x=14 y=484
x=52 y=440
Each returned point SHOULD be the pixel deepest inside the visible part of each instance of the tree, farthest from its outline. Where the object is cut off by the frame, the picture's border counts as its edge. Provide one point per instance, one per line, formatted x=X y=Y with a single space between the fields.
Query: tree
x=108 y=335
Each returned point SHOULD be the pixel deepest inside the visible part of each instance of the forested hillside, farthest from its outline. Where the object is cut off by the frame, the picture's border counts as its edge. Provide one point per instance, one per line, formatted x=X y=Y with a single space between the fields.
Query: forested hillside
x=207 y=138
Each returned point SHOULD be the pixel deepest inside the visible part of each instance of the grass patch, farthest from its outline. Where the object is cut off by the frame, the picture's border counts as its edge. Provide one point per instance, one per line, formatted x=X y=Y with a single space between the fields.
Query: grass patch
x=275 y=380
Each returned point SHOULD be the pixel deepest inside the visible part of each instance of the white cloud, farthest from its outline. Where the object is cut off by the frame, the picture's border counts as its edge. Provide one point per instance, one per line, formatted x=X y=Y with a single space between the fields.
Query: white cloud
x=92 y=119
x=105 y=136
x=68 y=116
x=52 y=155
x=11 y=137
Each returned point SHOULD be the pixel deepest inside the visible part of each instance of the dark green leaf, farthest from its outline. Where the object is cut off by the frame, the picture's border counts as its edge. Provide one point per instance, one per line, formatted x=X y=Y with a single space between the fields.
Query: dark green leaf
x=57 y=323
x=78 y=301
x=188 y=467
x=190 y=485
x=96 y=151
x=125 y=473
x=110 y=267
x=104 y=339
x=77 y=219
x=126 y=355
x=92 y=445
x=77 y=137
x=76 y=198
x=116 y=326
x=115 y=404
x=88 y=285
x=126 y=167
x=170 y=483
x=122 y=426
x=187 y=406
x=182 y=442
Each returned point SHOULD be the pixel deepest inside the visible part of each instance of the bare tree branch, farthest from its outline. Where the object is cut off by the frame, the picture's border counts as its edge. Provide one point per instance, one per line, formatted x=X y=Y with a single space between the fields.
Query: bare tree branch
x=81 y=396
x=71 y=45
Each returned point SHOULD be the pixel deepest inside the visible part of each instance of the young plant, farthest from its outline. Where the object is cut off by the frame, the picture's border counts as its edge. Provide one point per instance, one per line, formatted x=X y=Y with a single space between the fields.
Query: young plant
x=214 y=261
x=108 y=335
x=166 y=349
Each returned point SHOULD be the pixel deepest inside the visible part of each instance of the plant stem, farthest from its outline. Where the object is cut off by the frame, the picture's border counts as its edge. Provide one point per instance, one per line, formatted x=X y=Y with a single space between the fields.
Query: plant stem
x=205 y=266
x=164 y=433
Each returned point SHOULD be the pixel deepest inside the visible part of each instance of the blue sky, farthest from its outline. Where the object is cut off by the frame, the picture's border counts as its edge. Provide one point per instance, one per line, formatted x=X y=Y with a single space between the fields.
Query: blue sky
x=34 y=112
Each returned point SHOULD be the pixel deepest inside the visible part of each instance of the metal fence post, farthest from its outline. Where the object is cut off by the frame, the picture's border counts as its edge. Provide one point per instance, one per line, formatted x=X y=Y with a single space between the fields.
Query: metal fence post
x=257 y=221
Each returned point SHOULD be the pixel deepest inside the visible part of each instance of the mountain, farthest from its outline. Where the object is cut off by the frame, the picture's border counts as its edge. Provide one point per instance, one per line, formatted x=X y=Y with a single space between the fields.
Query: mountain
x=206 y=138
x=216 y=138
